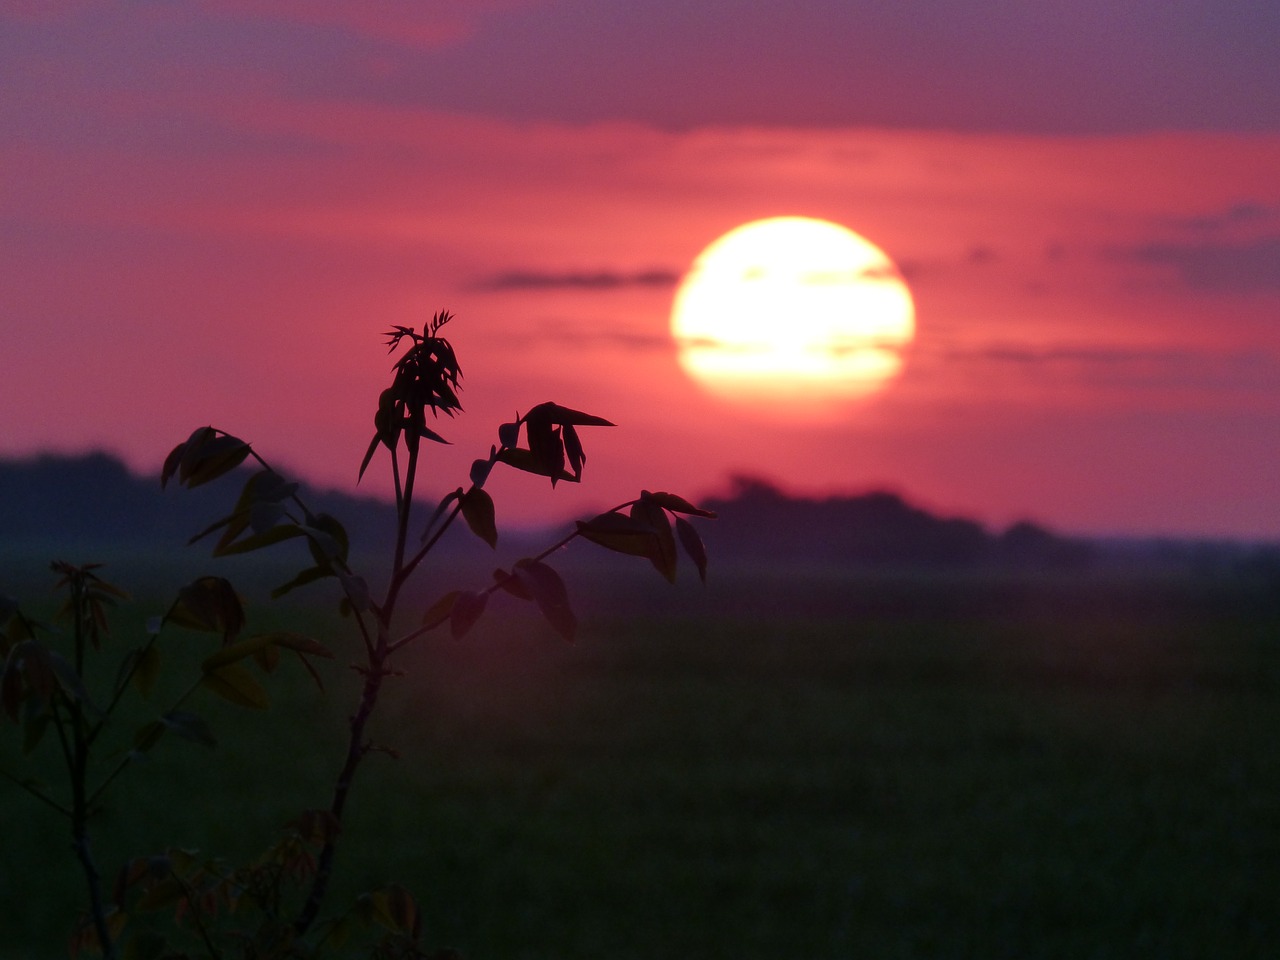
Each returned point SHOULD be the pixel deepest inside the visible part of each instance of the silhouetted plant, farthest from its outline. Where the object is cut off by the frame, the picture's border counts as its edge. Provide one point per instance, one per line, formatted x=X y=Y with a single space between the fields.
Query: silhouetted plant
x=272 y=906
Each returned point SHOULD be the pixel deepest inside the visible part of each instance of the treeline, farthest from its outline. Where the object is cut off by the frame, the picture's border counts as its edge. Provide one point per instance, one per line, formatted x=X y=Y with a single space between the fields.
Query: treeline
x=760 y=521
x=96 y=499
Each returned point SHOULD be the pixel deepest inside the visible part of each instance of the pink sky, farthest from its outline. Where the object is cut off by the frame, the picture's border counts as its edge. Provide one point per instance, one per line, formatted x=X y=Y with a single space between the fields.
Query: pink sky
x=210 y=211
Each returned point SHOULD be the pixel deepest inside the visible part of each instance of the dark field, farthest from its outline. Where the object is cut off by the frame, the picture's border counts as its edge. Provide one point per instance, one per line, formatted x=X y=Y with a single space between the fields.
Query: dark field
x=781 y=765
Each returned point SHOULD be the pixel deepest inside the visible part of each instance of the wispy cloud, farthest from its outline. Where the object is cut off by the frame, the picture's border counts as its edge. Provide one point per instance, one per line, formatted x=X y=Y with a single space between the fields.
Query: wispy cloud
x=1242 y=214
x=577 y=280
x=1244 y=267
x=1126 y=366
x=579 y=335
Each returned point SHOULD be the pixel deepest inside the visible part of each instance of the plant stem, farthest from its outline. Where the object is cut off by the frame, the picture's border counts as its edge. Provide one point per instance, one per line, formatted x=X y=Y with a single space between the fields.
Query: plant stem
x=357 y=748
x=79 y=771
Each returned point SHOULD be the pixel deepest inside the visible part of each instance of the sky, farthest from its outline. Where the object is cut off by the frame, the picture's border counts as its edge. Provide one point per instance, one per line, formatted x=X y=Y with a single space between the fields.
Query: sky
x=210 y=211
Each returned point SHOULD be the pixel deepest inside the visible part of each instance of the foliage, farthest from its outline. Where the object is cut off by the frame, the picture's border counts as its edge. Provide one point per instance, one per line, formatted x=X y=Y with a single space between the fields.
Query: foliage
x=272 y=906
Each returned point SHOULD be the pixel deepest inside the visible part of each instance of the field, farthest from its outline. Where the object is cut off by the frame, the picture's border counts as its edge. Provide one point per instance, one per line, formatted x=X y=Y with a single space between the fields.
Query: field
x=796 y=764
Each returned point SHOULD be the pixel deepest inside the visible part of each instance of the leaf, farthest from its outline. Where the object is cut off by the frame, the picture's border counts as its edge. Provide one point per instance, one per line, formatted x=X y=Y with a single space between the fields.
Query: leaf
x=465 y=611
x=309 y=575
x=209 y=604
x=250 y=646
x=478 y=511
x=147 y=736
x=256 y=541
x=326 y=537
x=549 y=594
x=563 y=415
x=439 y=611
x=236 y=684
x=71 y=682
x=693 y=546
x=620 y=533
x=402 y=910
x=316 y=826
x=663 y=556
x=147 y=670
x=439 y=511
x=368 y=456
x=35 y=720
x=11 y=687
x=189 y=726
x=573 y=449
x=509 y=433
x=676 y=504
x=529 y=462
x=425 y=431
x=512 y=584
x=480 y=471
x=216 y=457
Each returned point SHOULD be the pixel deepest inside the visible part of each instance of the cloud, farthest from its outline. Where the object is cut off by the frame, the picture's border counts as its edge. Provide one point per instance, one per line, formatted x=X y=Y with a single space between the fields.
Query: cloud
x=589 y=336
x=1245 y=267
x=402 y=22
x=577 y=280
x=1129 y=366
x=1244 y=213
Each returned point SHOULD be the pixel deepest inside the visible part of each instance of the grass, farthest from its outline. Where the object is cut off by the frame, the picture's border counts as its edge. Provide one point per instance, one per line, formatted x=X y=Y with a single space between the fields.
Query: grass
x=818 y=765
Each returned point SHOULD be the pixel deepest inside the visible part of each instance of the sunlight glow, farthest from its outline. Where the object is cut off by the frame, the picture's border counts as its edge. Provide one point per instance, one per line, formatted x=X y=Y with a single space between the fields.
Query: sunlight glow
x=792 y=312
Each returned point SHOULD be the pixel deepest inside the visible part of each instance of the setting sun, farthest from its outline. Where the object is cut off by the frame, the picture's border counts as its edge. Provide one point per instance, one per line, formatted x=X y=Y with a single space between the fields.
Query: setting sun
x=792 y=311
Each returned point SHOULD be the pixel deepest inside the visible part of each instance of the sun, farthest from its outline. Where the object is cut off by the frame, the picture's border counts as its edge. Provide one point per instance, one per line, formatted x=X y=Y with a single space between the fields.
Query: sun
x=794 y=315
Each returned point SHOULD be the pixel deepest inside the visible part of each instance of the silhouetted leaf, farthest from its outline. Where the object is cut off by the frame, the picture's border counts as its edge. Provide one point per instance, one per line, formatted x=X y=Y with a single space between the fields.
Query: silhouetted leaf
x=316 y=826
x=236 y=684
x=216 y=456
x=326 y=537
x=425 y=431
x=439 y=611
x=368 y=456
x=180 y=457
x=663 y=556
x=511 y=584
x=309 y=575
x=35 y=721
x=256 y=541
x=441 y=507
x=147 y=670
x=250 y=646
x=189 y=726
x=209 y=604
x=676 y=504
x=693 y=546
x=356 y=590
x=573 y=450
x=549 y=594
x=509 y=434
x=526 y=460
x=478 y=511
x=11 y=687
x=466 y=610
x=563 y=415
x=71 y=682
x=402 y=910
x=621 y=533
x=148 y=735
x=480 y=471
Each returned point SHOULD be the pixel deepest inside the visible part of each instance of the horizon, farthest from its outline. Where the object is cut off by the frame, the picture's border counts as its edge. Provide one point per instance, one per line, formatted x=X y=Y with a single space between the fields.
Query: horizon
x=213 y=212
x=738 y=490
